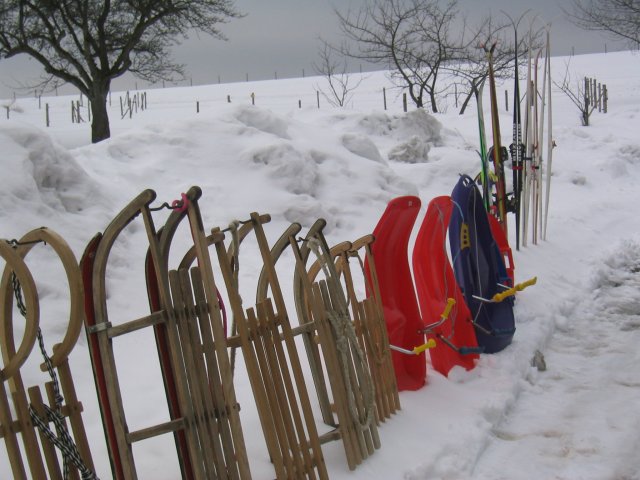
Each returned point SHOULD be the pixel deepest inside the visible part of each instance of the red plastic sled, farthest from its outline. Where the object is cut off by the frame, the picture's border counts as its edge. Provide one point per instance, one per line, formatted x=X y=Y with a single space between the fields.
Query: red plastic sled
x=503 y=246
x=455 y=336
x=398 y=296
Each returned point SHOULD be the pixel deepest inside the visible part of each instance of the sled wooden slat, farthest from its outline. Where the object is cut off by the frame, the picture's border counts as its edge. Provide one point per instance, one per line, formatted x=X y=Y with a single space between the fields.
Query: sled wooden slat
x=376 y=331
x=292 y=446
x=156 y=430
x=10 y=438
x=73 y=471
x=27 y=430
x=48 y=450
x=194 y=367
x=217 y=413
x=219 y=344
x=313 y=352
x=131 y=326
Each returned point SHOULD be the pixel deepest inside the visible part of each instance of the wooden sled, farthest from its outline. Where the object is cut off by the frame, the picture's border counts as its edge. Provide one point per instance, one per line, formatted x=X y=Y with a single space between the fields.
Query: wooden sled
x=273 y=365
x=63 y=404
x=195 y=352
x=324 y=305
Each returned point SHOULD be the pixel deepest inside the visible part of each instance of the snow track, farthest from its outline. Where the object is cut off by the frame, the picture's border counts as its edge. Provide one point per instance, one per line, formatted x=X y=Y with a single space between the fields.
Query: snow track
x=568 y=422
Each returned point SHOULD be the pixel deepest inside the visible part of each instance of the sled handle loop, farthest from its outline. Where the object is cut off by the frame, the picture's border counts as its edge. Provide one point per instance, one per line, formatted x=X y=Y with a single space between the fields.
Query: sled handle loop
x=498 y=297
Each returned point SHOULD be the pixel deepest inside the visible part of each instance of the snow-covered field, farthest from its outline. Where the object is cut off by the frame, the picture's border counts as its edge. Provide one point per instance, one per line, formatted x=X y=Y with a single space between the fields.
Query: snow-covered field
x=579 y=419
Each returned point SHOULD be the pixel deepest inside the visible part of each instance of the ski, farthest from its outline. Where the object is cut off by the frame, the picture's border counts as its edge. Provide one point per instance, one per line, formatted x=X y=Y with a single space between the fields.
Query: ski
x=550 y=143
x=517 y=147
x=496 y=152
x=484 y=172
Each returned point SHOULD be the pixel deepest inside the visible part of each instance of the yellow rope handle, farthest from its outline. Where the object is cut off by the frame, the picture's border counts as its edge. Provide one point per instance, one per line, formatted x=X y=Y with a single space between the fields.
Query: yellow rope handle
x=498 y=297
x=431 y=343
x=447 y=309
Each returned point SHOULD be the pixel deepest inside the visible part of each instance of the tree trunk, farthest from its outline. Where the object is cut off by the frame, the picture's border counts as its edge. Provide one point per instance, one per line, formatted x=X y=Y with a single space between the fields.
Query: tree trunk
x=466 y=102
x=100 y=122
x=432 y=98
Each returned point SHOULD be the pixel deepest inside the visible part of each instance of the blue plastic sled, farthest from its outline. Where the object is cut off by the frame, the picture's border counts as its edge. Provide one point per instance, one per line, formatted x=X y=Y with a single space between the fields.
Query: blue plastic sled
x=479 y=268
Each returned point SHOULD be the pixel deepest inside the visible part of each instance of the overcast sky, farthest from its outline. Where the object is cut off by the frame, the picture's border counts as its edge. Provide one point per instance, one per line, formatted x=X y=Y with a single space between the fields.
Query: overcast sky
x=280 y=37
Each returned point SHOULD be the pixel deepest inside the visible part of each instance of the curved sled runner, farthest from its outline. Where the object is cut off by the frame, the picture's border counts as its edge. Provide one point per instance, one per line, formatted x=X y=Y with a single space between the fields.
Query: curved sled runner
x=399 y=303
x=436 y=284
x=479 y=268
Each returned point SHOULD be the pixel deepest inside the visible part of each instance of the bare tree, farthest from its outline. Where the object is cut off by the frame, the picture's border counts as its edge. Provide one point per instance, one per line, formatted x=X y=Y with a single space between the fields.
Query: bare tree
x=412 y=38
x=472 y=70
x=340 y=83
x=90 y=43
x=618 y=18
x=578 y=93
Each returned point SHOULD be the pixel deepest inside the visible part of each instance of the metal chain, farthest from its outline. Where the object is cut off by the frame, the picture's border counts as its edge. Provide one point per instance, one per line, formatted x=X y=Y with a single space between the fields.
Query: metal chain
x=63 y=441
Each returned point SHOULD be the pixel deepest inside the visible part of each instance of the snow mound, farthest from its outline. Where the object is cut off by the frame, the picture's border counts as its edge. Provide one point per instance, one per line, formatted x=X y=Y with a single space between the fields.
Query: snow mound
x=293 y=170
x=617 y=284
x=362 y=146
x=42 y=173
x=414 y=150
x=402 y=126
x=263 y=120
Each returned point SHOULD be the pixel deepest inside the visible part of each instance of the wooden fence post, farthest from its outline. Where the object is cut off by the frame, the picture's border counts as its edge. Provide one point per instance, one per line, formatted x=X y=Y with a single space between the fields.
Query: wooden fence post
x=384 y=97
x=46 y=109
x=404 y=102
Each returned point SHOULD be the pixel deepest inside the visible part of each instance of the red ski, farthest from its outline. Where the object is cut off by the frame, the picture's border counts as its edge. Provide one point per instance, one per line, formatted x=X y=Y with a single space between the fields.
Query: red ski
x=454 y=334
x=400 y=306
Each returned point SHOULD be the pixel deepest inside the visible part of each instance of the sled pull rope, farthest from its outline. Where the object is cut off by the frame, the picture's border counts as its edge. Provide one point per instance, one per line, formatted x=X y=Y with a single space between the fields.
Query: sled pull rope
x=346 y=342
x=63 y=440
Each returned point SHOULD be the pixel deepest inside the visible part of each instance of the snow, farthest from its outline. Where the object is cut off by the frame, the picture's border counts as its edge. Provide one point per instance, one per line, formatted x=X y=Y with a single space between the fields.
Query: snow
x=578 y=419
